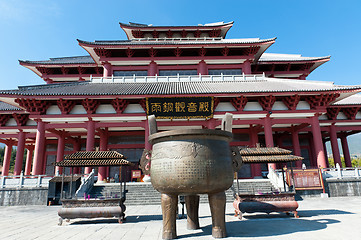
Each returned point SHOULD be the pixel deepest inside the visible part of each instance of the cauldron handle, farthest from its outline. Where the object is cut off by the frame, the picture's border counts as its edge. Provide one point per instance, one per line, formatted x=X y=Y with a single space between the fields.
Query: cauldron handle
x=227 y=122
x=152 y=124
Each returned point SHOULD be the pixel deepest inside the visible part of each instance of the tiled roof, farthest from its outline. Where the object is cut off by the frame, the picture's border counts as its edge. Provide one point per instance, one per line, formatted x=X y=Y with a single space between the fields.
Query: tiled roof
x=267 y=85
x=131 y=24
x=177 y=41
x=276 y=57
x=263 y=151
x=270 y=159
x=8 y=107
x=93 y=158
x=267 y=155
x=63 y=60
x=352 y=100
x=65 y=179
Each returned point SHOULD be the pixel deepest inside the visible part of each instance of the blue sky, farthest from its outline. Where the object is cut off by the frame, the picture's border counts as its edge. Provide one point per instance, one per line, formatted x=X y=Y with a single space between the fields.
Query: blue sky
x=42 y=29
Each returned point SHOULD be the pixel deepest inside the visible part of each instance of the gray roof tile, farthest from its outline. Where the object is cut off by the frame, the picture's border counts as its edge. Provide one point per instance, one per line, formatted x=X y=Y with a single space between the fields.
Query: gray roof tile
x=276 y=57
x=352 y=100
x=7 y=107
x=63 y=60
x=177 y=42
x=268 y=85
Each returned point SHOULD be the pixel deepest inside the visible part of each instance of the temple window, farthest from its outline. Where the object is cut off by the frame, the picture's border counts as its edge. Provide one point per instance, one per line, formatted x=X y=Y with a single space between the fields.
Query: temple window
x=177 y=72
x=225 y=71
x=130 y=73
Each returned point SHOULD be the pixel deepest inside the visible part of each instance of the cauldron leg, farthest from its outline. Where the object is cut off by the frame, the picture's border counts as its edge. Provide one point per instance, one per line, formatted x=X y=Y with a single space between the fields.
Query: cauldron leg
x=192 y=205
x=217 y=203
x=169 y=207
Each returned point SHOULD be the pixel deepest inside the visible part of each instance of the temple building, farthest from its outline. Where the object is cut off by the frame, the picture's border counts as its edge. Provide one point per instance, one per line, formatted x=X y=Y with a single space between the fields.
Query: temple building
x=189 y=77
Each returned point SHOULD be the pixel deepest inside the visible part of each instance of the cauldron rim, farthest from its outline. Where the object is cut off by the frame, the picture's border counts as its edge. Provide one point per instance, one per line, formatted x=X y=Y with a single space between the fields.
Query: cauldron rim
x=185 y=132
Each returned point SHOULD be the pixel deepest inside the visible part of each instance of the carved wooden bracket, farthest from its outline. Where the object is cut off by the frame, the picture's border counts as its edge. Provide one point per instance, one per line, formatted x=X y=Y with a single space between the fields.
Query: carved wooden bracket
x=239 y=102
x=44 y=70
x=21 y=119
x=119 y=105
x=137 y=34
x=81 y=70
x=267 y=102
x=197 y=33
x=225 y=51
x=321 y=100
x=4 y=118
x=332 y=113
x=64 y=70
x=33 y=106
x=251 y=50
x=155 y=34
x=291 y=101
x=143 y=103
x=65 y=106
x=184 y=34
x=351 y=112
x=215 y=102
x=90 y=105
x=202 y=52
x=152 y=52
x=177 y=52
x=101 y=52
x=129 y=52
x=169 y=34
x=215 y=33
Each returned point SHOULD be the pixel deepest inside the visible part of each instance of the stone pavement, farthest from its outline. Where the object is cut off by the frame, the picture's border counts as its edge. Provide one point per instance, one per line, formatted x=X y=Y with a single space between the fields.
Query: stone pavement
x=320 y=218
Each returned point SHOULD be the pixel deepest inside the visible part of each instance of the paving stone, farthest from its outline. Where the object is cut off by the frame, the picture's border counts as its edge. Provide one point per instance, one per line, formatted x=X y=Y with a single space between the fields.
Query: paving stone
x=320 y=218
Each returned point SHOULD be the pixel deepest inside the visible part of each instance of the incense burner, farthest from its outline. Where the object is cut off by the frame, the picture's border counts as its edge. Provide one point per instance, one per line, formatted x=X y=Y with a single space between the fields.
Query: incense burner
x=190 y=162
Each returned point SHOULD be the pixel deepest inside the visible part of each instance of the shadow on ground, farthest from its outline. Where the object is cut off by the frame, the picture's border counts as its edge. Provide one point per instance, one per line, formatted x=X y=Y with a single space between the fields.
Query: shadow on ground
x=266 y=227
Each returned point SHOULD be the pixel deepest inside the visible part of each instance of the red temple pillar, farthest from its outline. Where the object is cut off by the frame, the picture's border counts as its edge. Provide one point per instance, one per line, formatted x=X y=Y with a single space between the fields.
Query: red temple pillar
x=334 y=145
x=256 y=168
x=107 y=70
x=90 y=139
x=29 y=159
x=76 y=148
x=267 y=124
x=312 y=151
x=103 y=146
x=153 y=69
x=20 y=153
x=326 y=156
x=60 y=153
x=7 y=157
x=147 y=145
x=202 y=68
x=39 y=149
x=296 y=147
x=246 y=69
x=317 y=141
x=346 y=151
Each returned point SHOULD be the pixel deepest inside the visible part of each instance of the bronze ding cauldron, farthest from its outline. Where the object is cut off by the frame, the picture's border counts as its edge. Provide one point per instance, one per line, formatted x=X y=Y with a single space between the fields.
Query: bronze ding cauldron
x=190 y=162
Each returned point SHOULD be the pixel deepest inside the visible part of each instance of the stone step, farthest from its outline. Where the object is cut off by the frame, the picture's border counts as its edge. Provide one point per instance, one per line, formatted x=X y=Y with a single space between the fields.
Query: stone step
x=145 y=194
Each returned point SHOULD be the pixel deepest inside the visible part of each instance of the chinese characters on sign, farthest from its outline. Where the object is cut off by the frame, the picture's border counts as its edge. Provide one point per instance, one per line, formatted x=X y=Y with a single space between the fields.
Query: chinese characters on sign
x=306 y=179
x=180 y=107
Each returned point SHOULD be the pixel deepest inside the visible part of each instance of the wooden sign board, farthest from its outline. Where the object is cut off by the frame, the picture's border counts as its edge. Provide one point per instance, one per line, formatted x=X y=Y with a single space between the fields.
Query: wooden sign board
x=180 y=107
x=306 y=179
x=136 y=174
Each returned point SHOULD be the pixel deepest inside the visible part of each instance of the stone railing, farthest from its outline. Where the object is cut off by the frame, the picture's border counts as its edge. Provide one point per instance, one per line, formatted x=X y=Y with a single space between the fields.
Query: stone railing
x=22 y=181
x=341 y=173
x=86 y=185
x=277 y=179
x=177 y=78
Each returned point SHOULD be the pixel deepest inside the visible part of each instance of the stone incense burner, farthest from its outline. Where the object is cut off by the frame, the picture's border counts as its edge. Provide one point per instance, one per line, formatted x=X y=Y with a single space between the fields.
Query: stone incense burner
x=190 y=162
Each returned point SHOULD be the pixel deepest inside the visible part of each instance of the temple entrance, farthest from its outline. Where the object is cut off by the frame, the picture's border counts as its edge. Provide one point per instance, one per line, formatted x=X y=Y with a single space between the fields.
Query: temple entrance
x=133 y=155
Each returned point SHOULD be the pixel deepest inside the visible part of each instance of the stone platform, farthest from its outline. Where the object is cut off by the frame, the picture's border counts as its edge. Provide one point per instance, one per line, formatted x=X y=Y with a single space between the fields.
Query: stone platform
x=320 y=218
